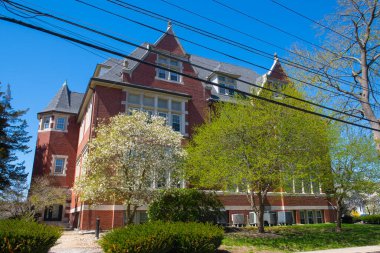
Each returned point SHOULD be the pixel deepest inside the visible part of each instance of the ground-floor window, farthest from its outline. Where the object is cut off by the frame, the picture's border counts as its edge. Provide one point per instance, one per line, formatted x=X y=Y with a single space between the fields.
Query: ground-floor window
x=53 y=213
x=311 y=216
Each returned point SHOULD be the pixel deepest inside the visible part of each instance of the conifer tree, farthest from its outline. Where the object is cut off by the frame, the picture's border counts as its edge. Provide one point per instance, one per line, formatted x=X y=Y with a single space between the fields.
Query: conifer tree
x=13 y=140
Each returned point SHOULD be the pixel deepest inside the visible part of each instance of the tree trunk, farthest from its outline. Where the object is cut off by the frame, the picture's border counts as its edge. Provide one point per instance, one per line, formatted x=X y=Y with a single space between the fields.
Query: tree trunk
x=260 y=214
x=338 y=227
x=131 y=214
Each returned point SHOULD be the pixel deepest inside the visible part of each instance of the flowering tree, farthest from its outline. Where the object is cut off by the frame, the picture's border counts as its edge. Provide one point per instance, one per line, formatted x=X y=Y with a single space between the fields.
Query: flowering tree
x=128 y=159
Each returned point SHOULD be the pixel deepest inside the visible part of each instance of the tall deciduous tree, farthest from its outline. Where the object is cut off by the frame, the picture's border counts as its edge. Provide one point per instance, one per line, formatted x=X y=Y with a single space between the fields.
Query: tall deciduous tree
x=255 y=146
x=349 y=63
x=128 y=159
x=13 y=139
x=354 y=168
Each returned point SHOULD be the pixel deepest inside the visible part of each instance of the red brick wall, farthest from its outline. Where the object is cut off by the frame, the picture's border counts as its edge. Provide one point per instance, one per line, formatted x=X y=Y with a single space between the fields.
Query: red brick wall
x=146 y=75
x=57 y=143
x=88 y=219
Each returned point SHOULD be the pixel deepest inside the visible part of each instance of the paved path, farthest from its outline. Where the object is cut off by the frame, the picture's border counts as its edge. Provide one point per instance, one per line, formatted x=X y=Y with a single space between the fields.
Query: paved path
x=75 y=242
x=366 y=249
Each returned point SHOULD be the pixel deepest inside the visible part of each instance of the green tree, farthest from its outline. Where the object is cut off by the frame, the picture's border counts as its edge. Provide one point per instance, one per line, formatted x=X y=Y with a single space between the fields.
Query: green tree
x=13 y=139
x=354 y=168
x=130 y=157
x=257 y=147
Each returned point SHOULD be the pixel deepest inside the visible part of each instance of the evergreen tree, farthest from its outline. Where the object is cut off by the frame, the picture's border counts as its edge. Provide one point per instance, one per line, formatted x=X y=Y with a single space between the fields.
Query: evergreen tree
x=13 y=139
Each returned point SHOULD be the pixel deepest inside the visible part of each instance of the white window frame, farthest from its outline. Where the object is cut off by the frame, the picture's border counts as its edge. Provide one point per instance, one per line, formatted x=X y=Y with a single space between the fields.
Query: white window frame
x=168 y=63
x=64 y=169
x=168 y=111
x=179 y=122
x=64 y=123
x=228 y=83
x=44 y=122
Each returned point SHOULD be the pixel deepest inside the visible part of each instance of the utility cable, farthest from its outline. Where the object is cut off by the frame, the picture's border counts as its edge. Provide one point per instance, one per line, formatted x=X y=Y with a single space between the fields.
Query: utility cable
x=11 y=20
x=228 y=55
x=176 y=58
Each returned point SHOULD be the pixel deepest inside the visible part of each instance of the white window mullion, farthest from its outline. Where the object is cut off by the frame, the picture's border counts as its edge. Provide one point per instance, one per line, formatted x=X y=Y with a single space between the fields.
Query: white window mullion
x=170 y=112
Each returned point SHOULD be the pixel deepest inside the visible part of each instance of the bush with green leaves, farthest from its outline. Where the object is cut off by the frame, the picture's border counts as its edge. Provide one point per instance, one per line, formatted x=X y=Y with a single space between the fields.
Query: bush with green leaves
x=185 y=205
x=164 y=237
x=27 y=236
x=371 y=219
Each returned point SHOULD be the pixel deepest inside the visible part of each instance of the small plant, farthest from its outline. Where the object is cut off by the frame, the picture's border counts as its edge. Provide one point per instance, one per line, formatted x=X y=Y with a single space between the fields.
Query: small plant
x=27 y=236
x=185 y=205
x=164 y=237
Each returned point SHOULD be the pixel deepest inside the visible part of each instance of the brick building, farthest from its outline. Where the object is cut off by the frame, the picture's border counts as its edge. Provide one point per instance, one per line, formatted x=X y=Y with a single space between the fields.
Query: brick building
x=120 y=85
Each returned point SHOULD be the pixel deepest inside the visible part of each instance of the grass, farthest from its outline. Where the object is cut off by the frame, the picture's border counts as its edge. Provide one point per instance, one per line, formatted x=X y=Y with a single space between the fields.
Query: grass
x=306 y=237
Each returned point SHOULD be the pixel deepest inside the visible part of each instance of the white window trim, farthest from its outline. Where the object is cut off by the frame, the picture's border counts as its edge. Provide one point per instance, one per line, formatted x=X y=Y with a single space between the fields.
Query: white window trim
x=52 y=168
x=54 y=122
x=156 y=109
x=167 y=79
x=227 y=85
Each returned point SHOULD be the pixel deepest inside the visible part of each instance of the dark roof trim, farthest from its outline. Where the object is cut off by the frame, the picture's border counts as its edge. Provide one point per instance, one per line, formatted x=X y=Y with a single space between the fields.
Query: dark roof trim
x=55 y=111
x=141 y=87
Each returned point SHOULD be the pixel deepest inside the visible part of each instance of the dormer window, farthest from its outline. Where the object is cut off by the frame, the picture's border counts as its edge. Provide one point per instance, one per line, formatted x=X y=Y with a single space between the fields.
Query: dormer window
x=228 y=84
x=170 y=64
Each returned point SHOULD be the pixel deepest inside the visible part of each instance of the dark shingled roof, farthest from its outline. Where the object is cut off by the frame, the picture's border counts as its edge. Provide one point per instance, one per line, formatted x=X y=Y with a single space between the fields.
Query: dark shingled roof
x=65 y=101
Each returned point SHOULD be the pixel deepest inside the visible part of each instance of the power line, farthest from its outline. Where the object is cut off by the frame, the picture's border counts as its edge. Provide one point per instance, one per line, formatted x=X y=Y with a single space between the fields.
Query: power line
x=288 y=62
x=220 y=52
x=271 y=26
x=172 y=57
x=11 y=20
x=312 y=20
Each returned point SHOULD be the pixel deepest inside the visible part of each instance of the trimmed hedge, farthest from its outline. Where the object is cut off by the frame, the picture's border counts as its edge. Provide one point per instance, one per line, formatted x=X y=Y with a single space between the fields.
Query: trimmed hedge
x=161 y=237
x=27 y=236
x=371 y=219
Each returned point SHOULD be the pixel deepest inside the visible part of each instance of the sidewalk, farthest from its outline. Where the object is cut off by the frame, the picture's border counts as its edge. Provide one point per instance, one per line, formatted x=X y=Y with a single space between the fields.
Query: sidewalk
x=366 y=249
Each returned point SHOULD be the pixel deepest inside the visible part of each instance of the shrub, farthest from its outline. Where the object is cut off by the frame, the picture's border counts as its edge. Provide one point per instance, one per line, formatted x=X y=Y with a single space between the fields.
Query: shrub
x=163 y=237
x=27 y=236
x=372 y=219
x=185 y=205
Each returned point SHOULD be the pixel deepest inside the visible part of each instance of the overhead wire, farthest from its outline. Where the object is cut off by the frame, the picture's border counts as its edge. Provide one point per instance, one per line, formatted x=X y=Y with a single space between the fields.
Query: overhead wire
x=284 y=60
x=222 y=53
x=11 y=20
x=173 y=57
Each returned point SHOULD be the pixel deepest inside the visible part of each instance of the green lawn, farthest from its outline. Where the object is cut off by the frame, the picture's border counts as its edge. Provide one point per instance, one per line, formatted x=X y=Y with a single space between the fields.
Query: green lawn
x=306 y=237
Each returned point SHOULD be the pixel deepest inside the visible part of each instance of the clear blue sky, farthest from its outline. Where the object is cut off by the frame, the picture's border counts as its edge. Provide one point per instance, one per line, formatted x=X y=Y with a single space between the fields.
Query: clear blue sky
x=36 y=64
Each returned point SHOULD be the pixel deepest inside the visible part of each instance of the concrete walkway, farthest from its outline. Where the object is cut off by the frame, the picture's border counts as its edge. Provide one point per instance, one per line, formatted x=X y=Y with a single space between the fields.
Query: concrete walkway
x=366 y=249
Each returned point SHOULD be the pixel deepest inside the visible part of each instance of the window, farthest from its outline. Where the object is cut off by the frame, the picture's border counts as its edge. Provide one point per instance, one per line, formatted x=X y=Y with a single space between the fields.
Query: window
x=176 y=106
x=162 y=103
x=310 y=217
x=319 y=216
x=46 y=122
x=134 y=99
x=176 y=122
x=228 y=84
x=170 y=64
x=60 y=124
x=59 y=166
x=148 y=101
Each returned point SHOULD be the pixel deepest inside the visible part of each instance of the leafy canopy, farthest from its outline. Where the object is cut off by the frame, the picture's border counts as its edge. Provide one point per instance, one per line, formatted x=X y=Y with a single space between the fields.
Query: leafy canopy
x=130 y=156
